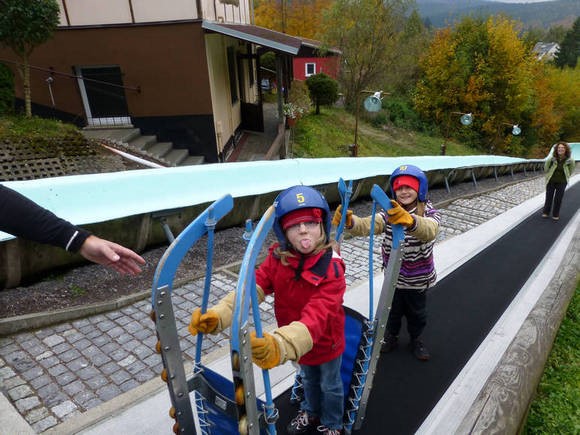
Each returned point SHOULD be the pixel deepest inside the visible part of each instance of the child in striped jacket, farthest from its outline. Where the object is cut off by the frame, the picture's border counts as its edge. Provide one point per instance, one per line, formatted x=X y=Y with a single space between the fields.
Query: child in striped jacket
x=416 y=214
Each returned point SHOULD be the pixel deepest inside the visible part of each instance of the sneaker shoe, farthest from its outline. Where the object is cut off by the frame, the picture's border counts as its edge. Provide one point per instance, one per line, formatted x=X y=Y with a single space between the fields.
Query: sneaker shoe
x=544 y=215
x=302 y=423
x=326 y=431
x=419 y=350
x=556 y=218
x=389 y=343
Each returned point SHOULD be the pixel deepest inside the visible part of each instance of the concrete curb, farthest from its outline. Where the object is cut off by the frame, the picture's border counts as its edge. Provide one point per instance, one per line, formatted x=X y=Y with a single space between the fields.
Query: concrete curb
x=11 y=420
x=503 y=403
x=13 y=325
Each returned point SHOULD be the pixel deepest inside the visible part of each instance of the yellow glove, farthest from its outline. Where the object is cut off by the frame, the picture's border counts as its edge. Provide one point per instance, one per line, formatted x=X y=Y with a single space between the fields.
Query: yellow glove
x=218 y=317
x=204 y=323
x=288 y=342
x=338 y=216
x=265 y=350
x=399 y=216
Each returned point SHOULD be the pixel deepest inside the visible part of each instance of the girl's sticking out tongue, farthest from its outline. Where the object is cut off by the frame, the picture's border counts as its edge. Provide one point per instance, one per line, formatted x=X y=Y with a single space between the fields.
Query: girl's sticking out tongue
x=305 y=243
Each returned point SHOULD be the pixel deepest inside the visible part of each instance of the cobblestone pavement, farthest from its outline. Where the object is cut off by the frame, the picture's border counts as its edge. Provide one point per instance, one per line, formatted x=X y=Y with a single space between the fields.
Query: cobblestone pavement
x=55 y=373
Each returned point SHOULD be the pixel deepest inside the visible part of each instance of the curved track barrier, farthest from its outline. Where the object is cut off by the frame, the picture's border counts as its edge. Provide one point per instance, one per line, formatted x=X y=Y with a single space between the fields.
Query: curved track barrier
x=144 y=208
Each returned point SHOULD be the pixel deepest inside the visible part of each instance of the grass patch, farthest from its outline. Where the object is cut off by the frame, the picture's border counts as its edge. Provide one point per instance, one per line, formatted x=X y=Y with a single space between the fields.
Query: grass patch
x=330 y=133
x=556 y=408
x=77 y=291
x=35 y=127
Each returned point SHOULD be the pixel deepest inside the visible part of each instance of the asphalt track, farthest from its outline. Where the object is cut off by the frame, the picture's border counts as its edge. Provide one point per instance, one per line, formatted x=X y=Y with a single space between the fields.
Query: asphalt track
x=463 y=307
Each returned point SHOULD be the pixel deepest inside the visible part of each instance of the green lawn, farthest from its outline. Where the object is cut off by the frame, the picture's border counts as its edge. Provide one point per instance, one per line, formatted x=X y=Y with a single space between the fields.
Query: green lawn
x=556 y=409
x=330 y=133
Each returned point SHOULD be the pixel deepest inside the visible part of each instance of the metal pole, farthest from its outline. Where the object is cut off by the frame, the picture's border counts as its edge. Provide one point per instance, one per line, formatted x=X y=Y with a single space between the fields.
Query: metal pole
x=355 y=147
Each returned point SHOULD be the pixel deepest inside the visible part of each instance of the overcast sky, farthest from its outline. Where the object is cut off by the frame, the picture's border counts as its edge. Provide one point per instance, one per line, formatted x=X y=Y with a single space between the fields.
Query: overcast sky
x=520 y=1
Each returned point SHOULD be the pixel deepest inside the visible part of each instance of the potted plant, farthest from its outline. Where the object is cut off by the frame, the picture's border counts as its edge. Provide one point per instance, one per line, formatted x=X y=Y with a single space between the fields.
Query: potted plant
x=292 y=112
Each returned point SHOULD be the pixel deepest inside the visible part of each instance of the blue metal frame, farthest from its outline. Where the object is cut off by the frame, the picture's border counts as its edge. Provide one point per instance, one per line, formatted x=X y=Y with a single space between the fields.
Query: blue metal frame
x=162 y=311
x=243 y=375
x=369 y=346
x=345 y=192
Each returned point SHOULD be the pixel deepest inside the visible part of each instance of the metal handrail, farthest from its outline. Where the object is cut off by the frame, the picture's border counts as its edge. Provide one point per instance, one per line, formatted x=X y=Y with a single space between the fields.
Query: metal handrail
x=74 y=76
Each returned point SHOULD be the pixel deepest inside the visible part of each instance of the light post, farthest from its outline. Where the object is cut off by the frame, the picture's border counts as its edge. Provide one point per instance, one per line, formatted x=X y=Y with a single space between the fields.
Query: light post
x=372 y=104
x=516 y=130
x=466 y=120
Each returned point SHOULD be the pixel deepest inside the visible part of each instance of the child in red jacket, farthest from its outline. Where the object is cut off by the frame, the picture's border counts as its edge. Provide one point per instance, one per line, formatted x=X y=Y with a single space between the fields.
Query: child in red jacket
x=305 y=274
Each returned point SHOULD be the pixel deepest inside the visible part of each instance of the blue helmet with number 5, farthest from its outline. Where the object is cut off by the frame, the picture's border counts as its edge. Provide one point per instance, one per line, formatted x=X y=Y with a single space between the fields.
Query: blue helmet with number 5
x=415 y=172
x=295 y=198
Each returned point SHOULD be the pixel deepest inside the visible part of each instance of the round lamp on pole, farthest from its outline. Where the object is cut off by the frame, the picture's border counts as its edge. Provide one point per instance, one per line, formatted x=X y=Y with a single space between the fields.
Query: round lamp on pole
x=466 y=119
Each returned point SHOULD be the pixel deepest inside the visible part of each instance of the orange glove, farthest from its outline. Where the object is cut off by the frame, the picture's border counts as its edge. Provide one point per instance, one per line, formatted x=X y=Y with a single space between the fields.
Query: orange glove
x=265 y=350
x=399 y=216
x=338 y=216
x=204 y=323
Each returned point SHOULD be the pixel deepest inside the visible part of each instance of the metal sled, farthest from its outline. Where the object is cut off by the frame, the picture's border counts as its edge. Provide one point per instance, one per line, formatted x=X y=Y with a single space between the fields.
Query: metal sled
x=220 y=406
x=225 y=407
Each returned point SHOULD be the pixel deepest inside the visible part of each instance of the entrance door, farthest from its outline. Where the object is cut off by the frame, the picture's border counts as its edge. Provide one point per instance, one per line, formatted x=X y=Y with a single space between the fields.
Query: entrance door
x=103 y=95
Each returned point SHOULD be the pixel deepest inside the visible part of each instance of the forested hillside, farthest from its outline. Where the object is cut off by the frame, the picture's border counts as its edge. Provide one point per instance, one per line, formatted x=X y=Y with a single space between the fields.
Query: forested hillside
x=440 y=13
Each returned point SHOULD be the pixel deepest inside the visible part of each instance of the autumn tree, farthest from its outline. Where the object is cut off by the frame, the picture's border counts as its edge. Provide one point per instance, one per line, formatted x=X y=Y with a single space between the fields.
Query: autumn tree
x=481 y=67
x=366 y=32
x=563 y=83
x=296 y=17
x=24 y=25
x=570 y=47
x=323 y=90
x=545 y=119
x=403 y=73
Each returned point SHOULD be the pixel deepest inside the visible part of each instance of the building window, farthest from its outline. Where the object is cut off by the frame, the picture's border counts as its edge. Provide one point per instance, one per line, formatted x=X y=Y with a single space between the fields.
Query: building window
x=310 y=69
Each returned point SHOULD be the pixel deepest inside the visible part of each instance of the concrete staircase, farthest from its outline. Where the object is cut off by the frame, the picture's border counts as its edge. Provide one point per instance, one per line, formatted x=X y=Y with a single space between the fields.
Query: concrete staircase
x=132 y=138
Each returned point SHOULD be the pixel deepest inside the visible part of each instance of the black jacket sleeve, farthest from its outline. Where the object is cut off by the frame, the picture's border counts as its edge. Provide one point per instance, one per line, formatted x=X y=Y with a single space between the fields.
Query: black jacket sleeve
x=24 y=218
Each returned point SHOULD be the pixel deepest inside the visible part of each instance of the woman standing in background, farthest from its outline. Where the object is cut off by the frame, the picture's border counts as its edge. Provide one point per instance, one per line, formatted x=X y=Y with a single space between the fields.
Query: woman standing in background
x=558 y=168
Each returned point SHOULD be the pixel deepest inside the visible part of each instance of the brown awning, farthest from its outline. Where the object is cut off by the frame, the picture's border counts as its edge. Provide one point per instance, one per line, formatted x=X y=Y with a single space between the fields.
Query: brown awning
x=256 y=35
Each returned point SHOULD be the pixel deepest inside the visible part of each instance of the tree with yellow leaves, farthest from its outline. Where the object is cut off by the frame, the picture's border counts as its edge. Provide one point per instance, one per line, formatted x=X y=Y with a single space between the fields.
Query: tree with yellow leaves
x=296 y=17
x=484 y=68
x=367 y=33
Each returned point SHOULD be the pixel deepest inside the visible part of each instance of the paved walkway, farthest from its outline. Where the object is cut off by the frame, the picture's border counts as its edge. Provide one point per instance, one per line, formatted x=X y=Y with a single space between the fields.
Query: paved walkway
x=254 y=145
x=62 y=372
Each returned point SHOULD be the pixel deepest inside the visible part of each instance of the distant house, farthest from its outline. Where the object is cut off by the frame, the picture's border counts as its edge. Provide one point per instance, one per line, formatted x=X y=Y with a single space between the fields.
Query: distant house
x=185 y=70
x=546 y=51
x=310 y=60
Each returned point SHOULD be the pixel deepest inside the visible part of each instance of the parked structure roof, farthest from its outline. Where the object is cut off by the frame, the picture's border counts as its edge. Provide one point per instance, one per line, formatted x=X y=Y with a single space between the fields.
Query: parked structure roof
x=256 y=35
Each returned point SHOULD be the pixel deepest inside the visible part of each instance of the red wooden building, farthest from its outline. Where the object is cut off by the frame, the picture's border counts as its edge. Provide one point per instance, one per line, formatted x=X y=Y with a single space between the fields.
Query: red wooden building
x=310 y=60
